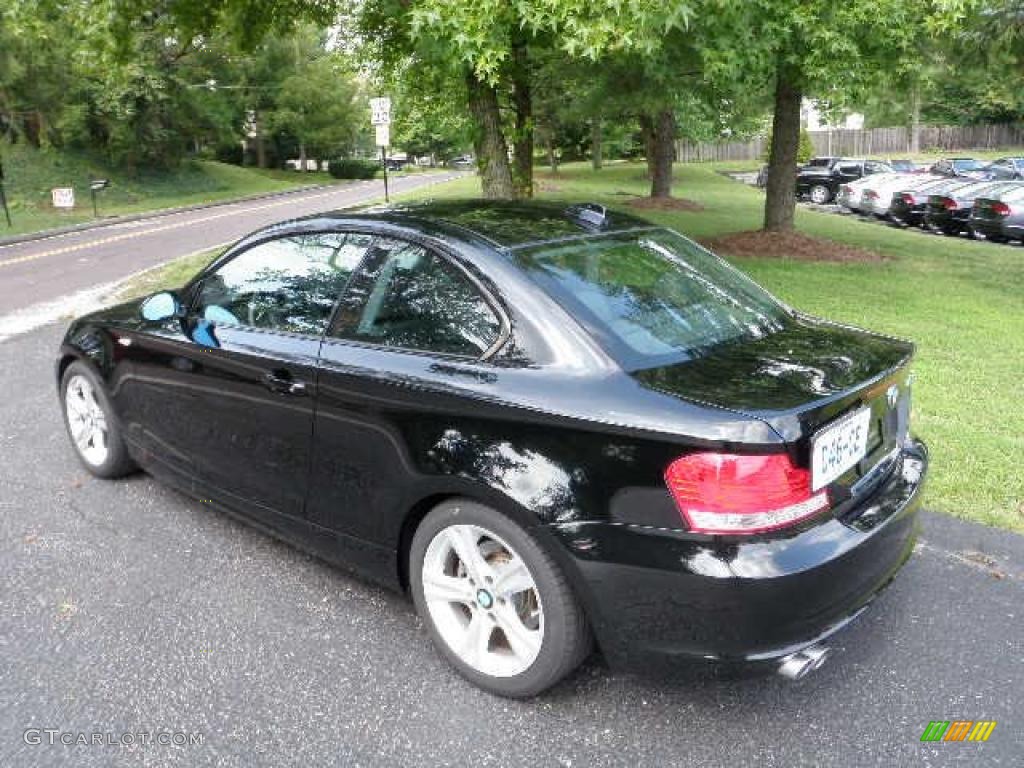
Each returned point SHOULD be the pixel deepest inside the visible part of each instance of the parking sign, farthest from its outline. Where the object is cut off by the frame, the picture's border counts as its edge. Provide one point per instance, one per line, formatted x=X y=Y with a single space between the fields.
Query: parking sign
x=380 y=111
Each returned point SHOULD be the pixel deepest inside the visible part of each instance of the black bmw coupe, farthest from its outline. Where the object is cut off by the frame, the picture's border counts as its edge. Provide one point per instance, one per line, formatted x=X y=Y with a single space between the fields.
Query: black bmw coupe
x=554 y=426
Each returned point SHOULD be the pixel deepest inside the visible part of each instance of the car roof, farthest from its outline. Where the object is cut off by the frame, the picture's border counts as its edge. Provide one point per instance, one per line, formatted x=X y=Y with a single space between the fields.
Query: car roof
x=503 y=223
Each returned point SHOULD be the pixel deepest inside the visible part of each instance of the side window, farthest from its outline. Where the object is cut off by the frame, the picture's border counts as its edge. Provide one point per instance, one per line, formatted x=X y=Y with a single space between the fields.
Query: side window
x=407 y=297
x=287 y=284
x=848 y=168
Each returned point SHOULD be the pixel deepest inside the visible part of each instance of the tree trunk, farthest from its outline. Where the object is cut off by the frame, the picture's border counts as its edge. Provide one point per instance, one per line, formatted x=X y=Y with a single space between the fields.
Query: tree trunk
x=489 y=141
x=261 y=147
x=664 y=148
x=780 y=200
x=915 y=118
x=522 y=104
x=647 y=132
x=596 y=160
x=302 y=156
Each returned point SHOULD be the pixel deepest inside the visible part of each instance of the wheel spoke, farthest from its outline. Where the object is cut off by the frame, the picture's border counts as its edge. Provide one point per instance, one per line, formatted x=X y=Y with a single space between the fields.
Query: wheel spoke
x=82 y=437
x=512 y=578
x=476 y=639
x=76 y=405
x=99 y=439
x=448 y=589
x=525 y=643
x=78 y=429
x=464 y=542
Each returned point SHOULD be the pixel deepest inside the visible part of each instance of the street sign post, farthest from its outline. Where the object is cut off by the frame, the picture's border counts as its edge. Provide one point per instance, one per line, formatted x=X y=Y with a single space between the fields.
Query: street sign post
x=94 y=186
x=380 y=119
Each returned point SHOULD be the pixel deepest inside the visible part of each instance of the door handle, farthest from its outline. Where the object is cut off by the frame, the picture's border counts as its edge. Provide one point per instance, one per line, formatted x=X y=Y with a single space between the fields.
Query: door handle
x=282 y=382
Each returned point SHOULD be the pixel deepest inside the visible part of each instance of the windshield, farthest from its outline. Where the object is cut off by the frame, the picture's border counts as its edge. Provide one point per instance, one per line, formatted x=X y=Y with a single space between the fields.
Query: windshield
x=652 y=297
x=967 y=165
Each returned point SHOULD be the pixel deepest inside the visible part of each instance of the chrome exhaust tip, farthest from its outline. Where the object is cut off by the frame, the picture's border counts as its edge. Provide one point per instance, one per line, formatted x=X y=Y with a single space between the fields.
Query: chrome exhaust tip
x=800 y=664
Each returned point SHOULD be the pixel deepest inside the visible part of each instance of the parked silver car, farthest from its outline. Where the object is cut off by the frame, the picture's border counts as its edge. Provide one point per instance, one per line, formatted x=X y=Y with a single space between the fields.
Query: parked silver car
x=849 y=194
x=999 y=217
x=876 y=195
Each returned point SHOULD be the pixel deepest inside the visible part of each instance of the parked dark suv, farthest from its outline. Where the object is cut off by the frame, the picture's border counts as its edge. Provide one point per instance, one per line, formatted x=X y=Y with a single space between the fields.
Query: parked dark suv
x=820 y=181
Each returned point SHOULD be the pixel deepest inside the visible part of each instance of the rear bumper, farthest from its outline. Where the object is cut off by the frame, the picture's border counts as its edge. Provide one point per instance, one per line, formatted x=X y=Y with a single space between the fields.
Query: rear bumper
x=990 y=228
x=660 y=597
x=946 y=220
x=911 y=216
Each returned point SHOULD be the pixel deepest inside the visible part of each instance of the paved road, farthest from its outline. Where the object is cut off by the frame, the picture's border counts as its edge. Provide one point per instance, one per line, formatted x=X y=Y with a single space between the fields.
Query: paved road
x=126 y=607
x=44 y=270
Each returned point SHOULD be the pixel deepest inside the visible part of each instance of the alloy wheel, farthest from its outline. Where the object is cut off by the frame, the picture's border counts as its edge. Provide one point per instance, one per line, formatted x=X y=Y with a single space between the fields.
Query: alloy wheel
x=86 y=420
x=819 y=194
x=483 y=600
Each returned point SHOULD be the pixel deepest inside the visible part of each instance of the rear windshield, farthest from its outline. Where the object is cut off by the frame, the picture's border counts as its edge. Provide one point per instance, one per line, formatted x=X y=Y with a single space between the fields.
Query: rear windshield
x=966 y=164
x=652 y=297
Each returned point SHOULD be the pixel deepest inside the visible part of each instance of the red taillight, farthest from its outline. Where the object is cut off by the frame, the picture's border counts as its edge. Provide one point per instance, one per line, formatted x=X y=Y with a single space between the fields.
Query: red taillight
x=871 y=194
x=1000 y=209
x=730 y=493
x=907 y=198
x=948 y=203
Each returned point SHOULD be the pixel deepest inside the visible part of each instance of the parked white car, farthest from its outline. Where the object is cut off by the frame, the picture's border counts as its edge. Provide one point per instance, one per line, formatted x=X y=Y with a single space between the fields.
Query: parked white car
x=849 y=195
x=876 y=196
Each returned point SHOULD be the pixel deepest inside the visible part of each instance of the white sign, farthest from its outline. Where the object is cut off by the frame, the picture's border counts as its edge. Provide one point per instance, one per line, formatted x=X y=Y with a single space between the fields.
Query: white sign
x=383 y=135
x=380 y=111
x=63 y=197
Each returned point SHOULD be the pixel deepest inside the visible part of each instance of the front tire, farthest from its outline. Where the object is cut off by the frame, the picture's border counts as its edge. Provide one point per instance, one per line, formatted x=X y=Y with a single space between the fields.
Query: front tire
x=496 y=605
x=92 y=426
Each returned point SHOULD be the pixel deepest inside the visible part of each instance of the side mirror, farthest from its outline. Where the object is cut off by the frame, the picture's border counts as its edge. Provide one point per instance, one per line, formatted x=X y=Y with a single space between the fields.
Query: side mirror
x=160 y=306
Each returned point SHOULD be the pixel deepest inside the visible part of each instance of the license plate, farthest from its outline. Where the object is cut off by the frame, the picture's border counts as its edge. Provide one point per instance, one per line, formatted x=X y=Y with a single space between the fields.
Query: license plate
x=838 y=447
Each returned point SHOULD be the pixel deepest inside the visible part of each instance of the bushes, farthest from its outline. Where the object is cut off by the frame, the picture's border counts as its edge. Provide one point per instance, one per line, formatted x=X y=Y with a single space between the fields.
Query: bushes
x=804 y=152
x=352 y=168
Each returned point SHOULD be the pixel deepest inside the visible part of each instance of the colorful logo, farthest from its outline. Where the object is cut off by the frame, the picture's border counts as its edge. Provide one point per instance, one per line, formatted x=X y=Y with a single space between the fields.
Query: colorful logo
x=958 y=730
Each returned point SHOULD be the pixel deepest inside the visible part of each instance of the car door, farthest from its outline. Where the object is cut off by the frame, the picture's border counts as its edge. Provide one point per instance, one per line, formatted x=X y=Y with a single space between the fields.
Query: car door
x=230 y=399
x=266 y=311
x=413 y=330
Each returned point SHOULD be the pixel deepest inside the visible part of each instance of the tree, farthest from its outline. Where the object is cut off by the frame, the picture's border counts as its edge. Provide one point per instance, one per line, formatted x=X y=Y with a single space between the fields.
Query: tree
x=321 y=105
x=825 y=49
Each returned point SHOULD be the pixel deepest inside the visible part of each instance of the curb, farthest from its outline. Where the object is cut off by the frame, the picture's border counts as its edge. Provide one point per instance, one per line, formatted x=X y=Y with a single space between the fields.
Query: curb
x=156 y=213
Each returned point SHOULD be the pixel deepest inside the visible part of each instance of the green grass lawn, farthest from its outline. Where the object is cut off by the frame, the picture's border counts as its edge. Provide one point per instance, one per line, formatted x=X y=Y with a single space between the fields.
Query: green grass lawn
x=31 y=174
x=961 y=302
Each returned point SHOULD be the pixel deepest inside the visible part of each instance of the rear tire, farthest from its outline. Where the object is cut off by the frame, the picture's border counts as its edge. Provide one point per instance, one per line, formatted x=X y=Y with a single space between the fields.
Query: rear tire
x=91 y=423
x=496 y=605
x=820 y=194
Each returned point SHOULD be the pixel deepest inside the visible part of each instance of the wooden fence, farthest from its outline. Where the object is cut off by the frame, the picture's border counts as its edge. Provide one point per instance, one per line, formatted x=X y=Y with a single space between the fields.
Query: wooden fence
x=884 y=142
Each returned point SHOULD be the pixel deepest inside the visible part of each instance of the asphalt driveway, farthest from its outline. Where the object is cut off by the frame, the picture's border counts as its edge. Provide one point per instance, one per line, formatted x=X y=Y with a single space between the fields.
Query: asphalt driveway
x=128 y=608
